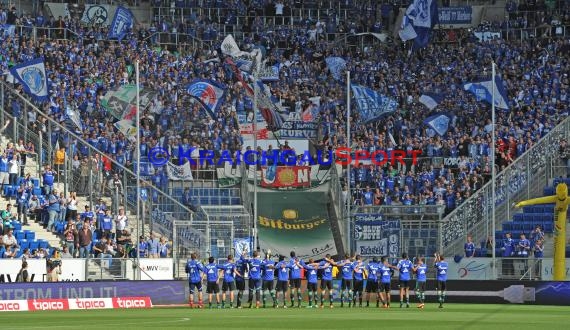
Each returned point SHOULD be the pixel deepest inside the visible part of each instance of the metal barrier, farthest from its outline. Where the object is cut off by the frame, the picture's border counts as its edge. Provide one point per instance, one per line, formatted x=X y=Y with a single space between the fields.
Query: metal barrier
x=523 y=179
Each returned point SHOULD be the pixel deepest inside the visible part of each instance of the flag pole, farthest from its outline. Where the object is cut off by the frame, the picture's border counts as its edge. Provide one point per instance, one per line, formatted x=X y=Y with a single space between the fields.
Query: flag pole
x=138 y=118
x=493 y=170
x=348 y=235
x=255 y=104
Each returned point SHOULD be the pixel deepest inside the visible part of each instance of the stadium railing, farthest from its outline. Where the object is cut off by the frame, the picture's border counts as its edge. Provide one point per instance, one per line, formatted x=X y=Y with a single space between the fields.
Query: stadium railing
x=523 y=179
x=180 y=211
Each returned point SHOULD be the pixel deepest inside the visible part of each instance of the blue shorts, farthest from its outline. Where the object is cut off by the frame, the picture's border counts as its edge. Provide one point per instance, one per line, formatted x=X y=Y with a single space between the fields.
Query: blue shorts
x=197 y=286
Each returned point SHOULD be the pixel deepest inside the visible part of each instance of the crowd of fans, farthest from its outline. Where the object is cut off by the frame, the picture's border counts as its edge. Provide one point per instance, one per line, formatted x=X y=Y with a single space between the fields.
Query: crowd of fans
x=86 y=66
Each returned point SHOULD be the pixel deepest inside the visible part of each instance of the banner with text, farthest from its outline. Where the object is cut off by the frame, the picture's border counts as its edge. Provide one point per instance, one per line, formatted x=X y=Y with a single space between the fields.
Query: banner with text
x=295 y=221
x=375 y=236
x=296 y=128
x=455 y=15
x=286 y=177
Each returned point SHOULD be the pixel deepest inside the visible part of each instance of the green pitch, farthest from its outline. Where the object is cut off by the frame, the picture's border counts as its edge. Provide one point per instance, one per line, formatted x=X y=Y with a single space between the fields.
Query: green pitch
x=453 y=316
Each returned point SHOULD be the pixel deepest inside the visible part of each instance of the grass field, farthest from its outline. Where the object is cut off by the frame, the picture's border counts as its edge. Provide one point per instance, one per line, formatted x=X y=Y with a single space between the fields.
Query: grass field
x=453 y=316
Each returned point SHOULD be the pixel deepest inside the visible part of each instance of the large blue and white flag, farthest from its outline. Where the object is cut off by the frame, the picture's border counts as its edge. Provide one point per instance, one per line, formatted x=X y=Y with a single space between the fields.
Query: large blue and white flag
x=423 y=15
x=483 y=91
x=243 y=60
x=371 y=104
x=335 y=66
x=431 y=100
x=209 y=93
x=32 y=76
x=439 y=123
x=7 y=30
x=122 y=23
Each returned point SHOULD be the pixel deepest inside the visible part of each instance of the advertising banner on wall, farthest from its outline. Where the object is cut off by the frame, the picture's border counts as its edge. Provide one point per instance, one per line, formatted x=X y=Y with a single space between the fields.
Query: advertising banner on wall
x=9 y=269
x=295 y=221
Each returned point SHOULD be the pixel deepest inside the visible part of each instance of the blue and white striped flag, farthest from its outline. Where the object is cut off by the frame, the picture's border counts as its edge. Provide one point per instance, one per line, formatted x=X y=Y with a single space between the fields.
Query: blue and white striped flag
x=32 y=76
x=431 y=100
x=122 y=23
x=439 y=123
x=335 y=66
x=483 y=91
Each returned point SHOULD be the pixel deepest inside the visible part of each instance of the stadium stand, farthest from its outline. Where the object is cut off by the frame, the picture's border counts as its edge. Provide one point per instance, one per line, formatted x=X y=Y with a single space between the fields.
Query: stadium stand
x=82 y=66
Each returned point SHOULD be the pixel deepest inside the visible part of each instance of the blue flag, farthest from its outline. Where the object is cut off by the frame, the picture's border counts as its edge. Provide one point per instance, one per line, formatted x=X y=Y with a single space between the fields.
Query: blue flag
x=32 y=76
x=423 y=16
x=439 y=123
x=209 y=93
x=483 y=91
x=335 y=66
x=371 y=104
x=431 y=100
x=122 y=23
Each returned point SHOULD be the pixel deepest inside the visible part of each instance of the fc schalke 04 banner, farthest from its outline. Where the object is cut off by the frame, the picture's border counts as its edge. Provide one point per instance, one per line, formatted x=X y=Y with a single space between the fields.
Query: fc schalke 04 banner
x=376 y=236
x=295 y=221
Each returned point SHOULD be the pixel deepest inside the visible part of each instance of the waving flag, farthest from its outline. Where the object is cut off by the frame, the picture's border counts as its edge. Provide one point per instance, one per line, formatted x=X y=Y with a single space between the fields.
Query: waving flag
x=483 y=91
x=122 y=23
x=335 y=66
x=209 y=93
x=32 y=76
x=244 y=60
x=423 y=15
x=439 y=123
x=267 y=104
x=431 y=100
x=371 y=104
x=126 y=127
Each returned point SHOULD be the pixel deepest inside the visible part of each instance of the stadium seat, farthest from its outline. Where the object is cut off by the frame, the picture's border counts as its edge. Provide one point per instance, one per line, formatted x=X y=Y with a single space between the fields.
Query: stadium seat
x=43 y=244
x=518 y=217
x=19 y=234
x=36 y=182
x=34 y=245
x=2 y=250
x=30 y=235
x=23 y=243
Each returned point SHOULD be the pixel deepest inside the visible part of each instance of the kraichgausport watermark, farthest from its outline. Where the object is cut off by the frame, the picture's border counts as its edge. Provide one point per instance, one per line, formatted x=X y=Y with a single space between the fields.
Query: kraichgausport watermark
x=159 y=156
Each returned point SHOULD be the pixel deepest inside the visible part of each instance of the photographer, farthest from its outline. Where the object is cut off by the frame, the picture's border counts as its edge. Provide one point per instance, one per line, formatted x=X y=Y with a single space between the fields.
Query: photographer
x=54 y=268
x=23 y=275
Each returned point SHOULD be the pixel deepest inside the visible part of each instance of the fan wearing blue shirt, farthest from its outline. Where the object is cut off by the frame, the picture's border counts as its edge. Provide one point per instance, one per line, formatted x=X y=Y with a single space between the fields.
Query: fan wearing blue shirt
x=212 y=277
x=195 y=270
x=346 y=269
x=282 y=268
x=385 y=282
x=326 y=279
x=469 y=247
x=404 y=268
x=254 y=279
x=441 y=270
x=359 y=269
x=268 y=267
x=229 y=283
x=295 y=278
x=312 y=280
x=420 y=269
x=372 y=269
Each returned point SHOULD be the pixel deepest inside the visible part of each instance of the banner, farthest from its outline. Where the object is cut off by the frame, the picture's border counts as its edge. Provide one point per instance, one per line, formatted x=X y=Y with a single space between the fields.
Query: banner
x=33 y=305
x=209 y=93
x=121 y=103
x=156 y=269
x=242 y=246
x=32 y=76
x=246 y=128
x=126 y=127
x=179 y=172
x=376 y=237
x=96 y=15
x=286 y=177
x=9 y=269
x=470 y=269
x=486 y=36
x=295 y=221
x=72 y=270
x=122 y=23
x=371 y=105
x=228 y=175
x=455 y=15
